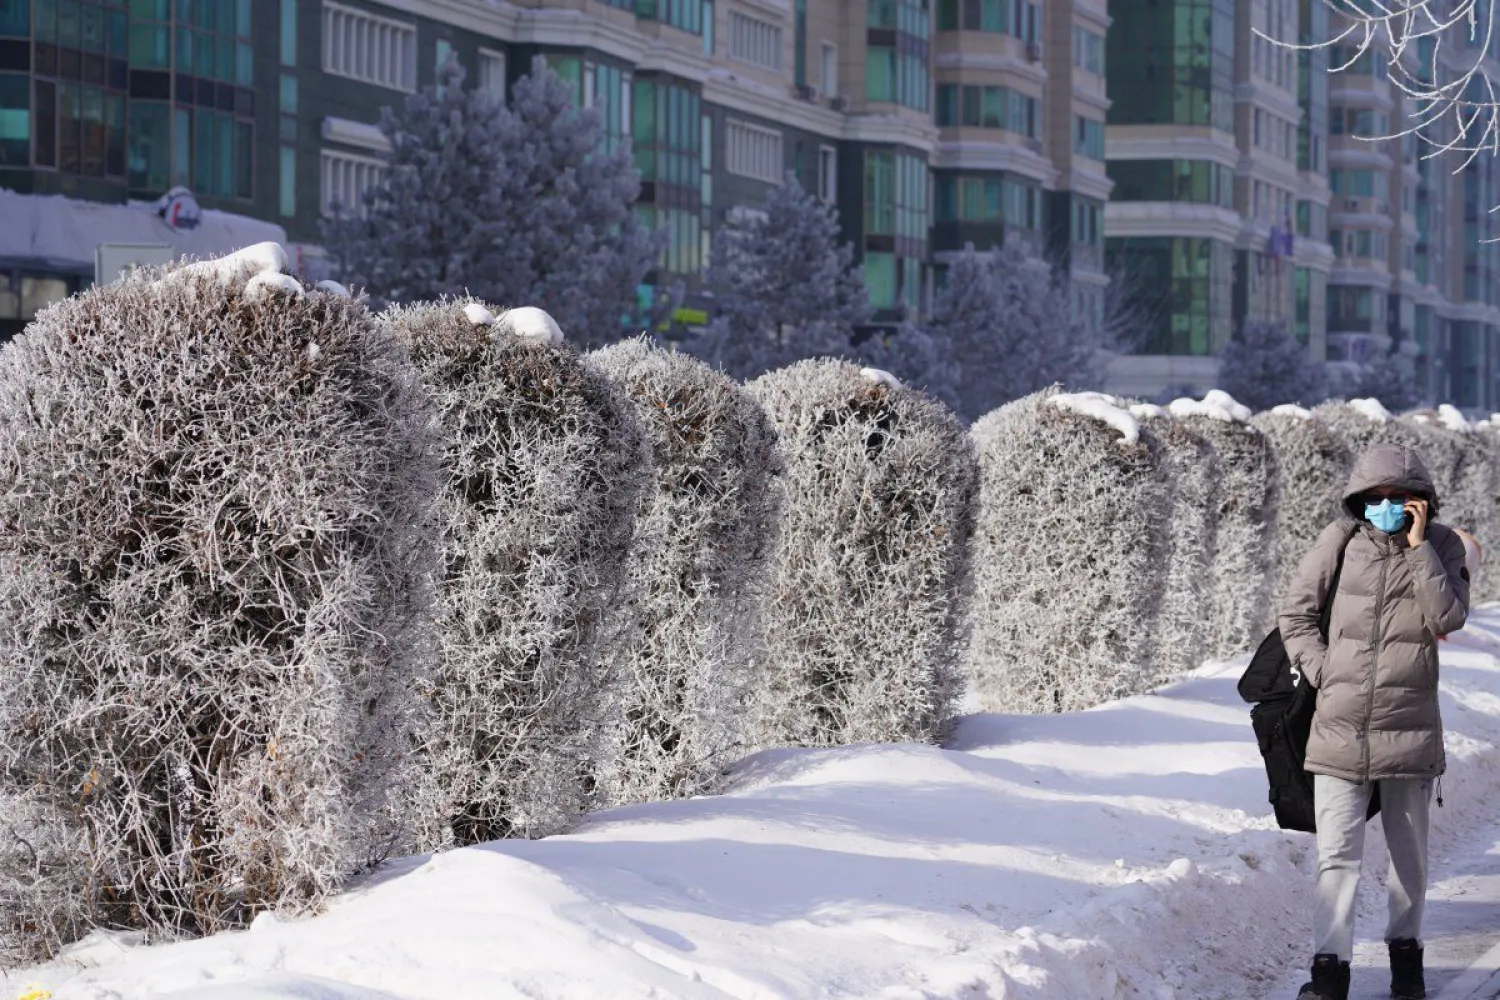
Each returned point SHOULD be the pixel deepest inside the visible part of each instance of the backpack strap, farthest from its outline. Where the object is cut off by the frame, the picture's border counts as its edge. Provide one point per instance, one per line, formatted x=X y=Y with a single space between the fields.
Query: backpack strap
x=1325 y=617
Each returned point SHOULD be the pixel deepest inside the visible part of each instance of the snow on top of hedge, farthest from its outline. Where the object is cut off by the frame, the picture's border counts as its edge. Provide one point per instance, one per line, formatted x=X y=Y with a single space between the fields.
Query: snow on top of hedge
x=1372 y=410
x=234 y=270
x=1450 y=417
x=1292 y=410
x=1148 y=411
x=478 y=314
x=1103 y=408
x=881 y=377
x=530 y=323
x=1217 y=405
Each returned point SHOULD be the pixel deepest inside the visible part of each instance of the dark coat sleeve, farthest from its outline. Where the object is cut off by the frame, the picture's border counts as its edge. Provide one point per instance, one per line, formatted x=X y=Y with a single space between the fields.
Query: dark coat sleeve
x=1302 y=611
x=1440 y=580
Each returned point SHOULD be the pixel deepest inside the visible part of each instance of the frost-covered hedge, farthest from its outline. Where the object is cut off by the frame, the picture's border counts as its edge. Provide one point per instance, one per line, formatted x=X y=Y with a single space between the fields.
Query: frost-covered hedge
x=1241 y=611
x=214 y=492
x=1190 y=472
x=1310 y=467
x=543 y=463
x=865 y=619
x=697 y=575
x=1068 y=556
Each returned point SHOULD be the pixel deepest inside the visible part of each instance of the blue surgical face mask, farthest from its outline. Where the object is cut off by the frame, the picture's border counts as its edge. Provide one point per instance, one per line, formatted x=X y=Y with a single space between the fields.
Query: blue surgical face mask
x=1387 y=516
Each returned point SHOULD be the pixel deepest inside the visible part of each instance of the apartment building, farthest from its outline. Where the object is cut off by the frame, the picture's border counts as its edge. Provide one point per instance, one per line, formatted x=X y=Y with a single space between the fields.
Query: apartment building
x=928 y=124
x=1249 y=184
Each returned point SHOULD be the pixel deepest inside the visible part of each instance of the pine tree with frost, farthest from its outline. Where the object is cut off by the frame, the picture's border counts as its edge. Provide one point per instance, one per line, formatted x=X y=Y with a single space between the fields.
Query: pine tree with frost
x=785 y=288
x=1006 y=321
x=866 y=618
x=1068 y=556
x=1265 y=365
x=214 y=598
x=1390 y=378
x=697 y=575
x=518 y=204
x=543 y=463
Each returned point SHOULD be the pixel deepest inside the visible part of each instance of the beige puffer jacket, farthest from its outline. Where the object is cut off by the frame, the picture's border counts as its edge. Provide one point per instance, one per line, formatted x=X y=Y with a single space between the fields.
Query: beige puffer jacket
x=1377 y=715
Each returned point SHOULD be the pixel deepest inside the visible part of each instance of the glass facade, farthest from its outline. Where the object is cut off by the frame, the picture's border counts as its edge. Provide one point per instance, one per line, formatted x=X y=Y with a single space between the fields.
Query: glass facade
x=1020 y=18
x=990 y=107
x=998 y=198
x=1179 y=59
x=898 y=53
x=673 y=158
x=1201 y=181
x=896 y=224
x=1185 y=283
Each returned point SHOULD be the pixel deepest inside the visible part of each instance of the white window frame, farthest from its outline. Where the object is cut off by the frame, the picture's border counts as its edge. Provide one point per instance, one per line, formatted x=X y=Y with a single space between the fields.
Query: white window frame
x=754 y=151
x=330 y=162
x=369 y=48
x=491 y=60
x=755 y=41
x=828 y=173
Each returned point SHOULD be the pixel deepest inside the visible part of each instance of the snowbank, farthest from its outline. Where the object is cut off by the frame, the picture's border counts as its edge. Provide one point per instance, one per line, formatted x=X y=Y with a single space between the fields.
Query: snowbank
x=1115 y=853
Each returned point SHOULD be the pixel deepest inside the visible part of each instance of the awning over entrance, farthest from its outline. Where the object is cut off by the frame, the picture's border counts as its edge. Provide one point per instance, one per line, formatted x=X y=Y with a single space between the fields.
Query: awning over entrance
x=57 y=234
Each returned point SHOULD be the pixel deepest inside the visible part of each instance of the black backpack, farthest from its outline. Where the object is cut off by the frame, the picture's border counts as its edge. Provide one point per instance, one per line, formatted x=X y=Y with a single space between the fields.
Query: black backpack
x=1282 y=719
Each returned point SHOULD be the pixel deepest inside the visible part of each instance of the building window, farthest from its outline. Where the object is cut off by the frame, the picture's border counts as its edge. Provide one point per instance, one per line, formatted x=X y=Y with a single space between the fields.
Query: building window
x=345 y=180
x=670 y=155
x=896 y=69
x=1088 y=137
x=371 y=49
x=830 y=70
x=1201 y=181
x=288 y=32
x=288 y=182
x=685 y=15
x=754 y=41
x=989 y=107
x=897 y=219
x=752 y=151
x=15 y=120
x=1088 y=50
x=828 y=174
x=492 y=71
x=1019 y=18
x=150 y=145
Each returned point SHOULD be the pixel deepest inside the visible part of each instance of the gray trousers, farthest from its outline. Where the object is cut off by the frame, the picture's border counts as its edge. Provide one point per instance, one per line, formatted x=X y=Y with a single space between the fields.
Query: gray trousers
x=1341 y=809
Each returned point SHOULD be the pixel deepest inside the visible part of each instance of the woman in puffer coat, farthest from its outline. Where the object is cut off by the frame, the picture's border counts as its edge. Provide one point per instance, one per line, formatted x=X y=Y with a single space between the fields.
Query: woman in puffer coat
x=1403 y=584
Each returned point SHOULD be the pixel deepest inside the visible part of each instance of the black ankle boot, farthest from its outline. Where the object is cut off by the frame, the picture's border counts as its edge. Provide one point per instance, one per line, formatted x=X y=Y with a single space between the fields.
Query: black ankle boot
x=1330 y=980
x=1407 y=982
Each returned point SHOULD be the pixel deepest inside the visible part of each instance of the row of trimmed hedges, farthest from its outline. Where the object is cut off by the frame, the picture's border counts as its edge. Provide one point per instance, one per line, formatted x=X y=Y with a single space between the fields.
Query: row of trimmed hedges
x=1121 y=545
x=286 y=586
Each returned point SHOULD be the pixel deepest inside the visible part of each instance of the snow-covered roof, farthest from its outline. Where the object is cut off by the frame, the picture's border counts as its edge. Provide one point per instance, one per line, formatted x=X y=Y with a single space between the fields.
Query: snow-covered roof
x=54 y=233
x=1105 y=409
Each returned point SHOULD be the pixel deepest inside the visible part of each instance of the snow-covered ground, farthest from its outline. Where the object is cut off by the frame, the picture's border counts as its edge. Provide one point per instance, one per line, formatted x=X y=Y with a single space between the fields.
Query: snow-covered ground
x=1123 y=852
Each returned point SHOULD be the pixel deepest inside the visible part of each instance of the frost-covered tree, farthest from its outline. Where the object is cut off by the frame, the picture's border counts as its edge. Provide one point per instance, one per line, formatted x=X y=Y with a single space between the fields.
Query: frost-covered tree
x=1310 y=464
x=697 y=574
x=1389 y=378
x=518 y=204
x=785 y=287
x=1241 y=611
x=1068 y=555
x=1265 y=365
x=1190 y=471
x=214 y=597
x=865 y=620
x=543 y=463
x=1006 y=321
